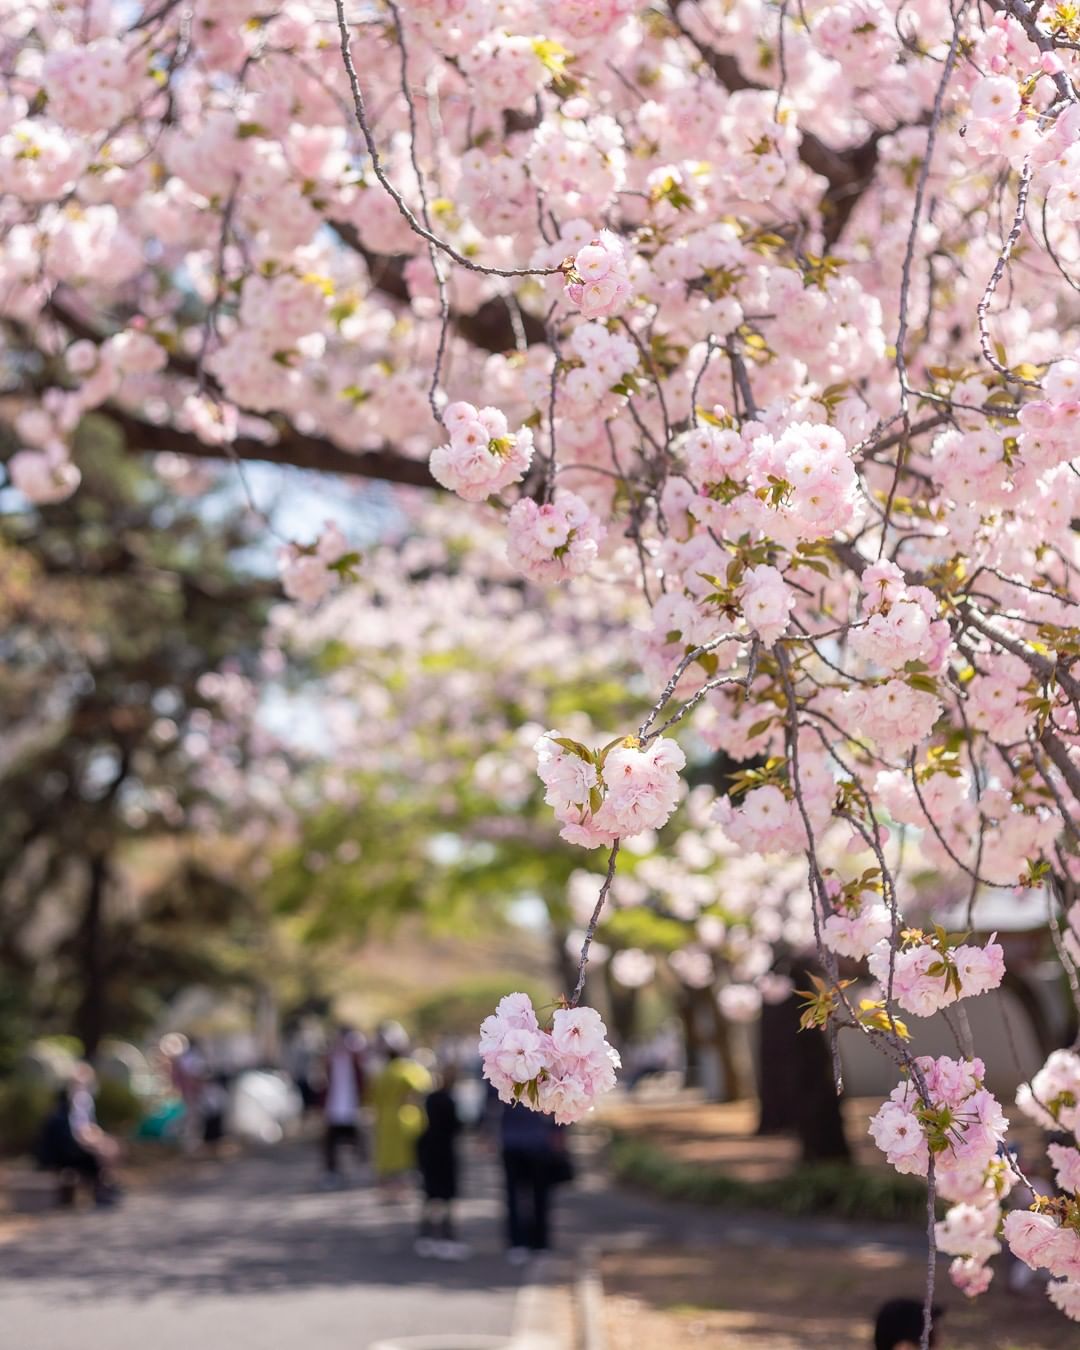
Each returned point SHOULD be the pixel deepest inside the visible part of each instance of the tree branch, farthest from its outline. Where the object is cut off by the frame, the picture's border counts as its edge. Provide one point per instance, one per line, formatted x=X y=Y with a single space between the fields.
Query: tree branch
x=489 y=328
x=315 y=453
x=849 y=172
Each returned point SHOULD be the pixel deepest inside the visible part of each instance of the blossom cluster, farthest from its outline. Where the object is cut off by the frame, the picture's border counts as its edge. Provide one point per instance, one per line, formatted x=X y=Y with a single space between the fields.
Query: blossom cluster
x=766 y=603
x=44 y=476
x=561 y=1071
x=1043 y=1243
x=795 y=483
x=1052 y=1098
x=929 y=972
x=555 y=541
x=598 y=277
x=859 y=922
x=902 y=624
x=482 y=456
x=310 y=574
x=43 y=470
x=619 y=791
x=605 y=358
x=968 y=1233
x=89 y=86
x=960 y=1122
x=970 y=1230
x=772 y=818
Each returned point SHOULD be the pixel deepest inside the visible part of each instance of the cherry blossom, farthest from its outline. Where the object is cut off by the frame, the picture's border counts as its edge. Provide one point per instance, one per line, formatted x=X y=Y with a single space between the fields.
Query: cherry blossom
x=562 y=1071
x=664 y=308
x=552 y=542
x=482 y=456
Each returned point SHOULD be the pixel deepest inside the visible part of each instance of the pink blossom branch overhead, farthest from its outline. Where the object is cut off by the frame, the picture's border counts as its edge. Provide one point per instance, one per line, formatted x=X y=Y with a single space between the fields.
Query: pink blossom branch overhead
x=750 y=329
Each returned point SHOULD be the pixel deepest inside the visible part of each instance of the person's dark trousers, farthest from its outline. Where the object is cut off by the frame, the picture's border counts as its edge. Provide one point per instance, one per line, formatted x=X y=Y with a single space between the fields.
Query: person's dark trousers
x=437 y=1220
x=335 y=1136
x=528 y=1193
x=79 y=1164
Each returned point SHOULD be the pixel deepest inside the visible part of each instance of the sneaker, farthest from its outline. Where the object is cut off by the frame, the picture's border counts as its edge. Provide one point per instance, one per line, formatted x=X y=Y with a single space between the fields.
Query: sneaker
x=448 y=1250
x=426 y=1247
x=518 y=1256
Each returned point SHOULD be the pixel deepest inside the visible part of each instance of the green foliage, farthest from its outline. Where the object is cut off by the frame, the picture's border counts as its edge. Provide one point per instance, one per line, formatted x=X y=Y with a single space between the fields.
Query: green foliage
x=119 y=1109
x=15 y=1022
x=68 y=1045
x=833 y=1189
x=113 y=605
x=24 y=1104
x=459 y=1010
x=644 y=928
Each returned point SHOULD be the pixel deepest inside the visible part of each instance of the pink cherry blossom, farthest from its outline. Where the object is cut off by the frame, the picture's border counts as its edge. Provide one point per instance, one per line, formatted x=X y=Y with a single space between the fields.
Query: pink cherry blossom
x=43 y=476
x=599 y=283
x=766 y=603
x=482 y=457
x=555 y=541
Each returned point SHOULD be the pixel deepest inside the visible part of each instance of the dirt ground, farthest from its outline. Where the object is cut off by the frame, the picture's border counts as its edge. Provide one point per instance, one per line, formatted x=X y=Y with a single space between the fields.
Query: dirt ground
x=771 y=1298
x=721 y=1135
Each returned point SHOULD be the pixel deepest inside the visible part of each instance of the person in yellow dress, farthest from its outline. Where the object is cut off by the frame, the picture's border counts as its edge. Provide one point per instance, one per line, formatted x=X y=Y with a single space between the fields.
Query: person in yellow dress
x=396 y=1097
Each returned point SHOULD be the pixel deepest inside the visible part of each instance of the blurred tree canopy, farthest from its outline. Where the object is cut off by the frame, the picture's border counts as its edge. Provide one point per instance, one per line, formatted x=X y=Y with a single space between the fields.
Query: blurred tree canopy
x=113 y=607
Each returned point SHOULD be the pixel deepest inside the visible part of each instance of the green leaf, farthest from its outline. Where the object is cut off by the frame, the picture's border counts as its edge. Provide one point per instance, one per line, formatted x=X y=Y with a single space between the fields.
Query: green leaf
x=345 y=566
x=575 y=748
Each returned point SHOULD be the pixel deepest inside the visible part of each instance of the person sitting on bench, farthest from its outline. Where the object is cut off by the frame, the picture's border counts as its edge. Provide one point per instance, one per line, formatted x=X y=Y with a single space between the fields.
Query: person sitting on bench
x=72 y=1143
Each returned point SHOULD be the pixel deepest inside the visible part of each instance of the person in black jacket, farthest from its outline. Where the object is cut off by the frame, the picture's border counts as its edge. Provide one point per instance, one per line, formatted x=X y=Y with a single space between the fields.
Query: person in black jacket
x=437 y=1159
x=535 y=1161
x=72 y=1143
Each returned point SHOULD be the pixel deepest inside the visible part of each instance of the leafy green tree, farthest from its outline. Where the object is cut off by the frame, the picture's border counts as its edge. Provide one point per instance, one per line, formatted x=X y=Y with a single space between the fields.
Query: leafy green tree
x=114 y=607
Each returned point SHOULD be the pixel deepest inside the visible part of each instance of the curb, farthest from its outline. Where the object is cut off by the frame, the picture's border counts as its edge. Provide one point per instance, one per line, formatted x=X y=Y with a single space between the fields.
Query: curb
x=589 y=1291
x=464 y=1342
x=532 y=1327
x=533 y=1311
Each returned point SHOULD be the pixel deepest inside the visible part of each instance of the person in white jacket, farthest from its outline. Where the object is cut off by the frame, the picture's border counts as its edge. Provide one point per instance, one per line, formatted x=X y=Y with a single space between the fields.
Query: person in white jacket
x=342 y=1101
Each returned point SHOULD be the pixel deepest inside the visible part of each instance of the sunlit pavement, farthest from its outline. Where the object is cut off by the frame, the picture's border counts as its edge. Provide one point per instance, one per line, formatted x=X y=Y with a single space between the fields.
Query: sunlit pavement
x=251 y=1253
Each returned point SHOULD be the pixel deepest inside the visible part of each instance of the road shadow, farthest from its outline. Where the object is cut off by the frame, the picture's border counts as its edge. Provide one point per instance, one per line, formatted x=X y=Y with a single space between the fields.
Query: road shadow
x=253 y=1225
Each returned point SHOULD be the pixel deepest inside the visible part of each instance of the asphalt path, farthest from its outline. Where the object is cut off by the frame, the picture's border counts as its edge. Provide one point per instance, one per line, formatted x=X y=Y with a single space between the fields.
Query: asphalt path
x=250 y=1254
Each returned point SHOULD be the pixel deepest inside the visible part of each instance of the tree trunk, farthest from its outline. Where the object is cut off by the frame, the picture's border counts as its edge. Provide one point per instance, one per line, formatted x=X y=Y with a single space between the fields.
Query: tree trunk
x=735 y=1085
x=778 y=1052
x=622 y=1005
x=818 y=1119
x=692 y=1077
x=797 y=1091
x=565 y=964
x=712 y=1061
x=92 y=1013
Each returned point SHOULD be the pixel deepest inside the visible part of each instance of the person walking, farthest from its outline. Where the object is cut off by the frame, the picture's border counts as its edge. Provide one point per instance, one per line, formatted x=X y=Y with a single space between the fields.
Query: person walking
x=399 y=1119
x=341 y=1102
x=437 y=1158
x=188 y=1070
x=535 y=1160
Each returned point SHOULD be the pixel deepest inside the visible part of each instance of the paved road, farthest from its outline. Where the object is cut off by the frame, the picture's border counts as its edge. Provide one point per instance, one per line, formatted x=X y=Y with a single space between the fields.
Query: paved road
x=250 y=1255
